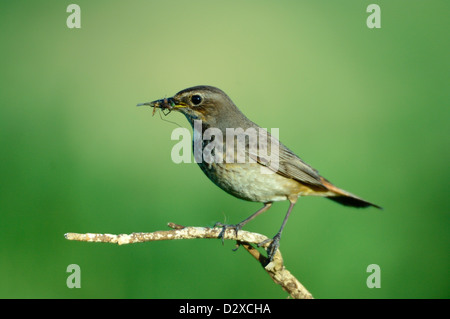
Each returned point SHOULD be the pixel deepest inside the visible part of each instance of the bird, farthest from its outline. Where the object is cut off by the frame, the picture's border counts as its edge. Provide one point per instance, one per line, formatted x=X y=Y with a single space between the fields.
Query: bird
x=256 y=178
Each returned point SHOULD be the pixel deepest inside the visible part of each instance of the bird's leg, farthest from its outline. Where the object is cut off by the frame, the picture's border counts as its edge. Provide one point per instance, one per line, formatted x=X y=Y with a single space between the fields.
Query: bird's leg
x=239 y=226
x=276 y=239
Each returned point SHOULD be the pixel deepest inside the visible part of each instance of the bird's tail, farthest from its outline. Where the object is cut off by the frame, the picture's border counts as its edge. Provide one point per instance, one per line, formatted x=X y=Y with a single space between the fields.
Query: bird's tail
x=345 y=198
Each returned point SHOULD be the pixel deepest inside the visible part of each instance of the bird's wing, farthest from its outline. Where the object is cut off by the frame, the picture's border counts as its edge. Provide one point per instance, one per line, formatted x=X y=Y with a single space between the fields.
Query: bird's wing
x=283 y=161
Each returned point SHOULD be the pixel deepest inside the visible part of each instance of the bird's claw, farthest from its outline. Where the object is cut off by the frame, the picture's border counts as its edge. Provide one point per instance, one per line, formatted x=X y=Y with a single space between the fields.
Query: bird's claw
x=236 y=228
x=273 y=247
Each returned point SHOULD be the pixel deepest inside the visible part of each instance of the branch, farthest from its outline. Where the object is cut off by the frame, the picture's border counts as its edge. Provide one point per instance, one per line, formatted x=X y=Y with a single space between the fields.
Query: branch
x=276 y=270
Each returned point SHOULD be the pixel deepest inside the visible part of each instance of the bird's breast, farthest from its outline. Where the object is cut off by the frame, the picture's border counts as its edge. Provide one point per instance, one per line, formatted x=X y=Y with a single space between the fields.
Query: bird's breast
x=252 y=181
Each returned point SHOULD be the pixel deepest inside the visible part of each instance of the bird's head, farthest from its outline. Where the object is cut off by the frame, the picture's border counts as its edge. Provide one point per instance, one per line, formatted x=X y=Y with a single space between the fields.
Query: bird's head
x=206 y=103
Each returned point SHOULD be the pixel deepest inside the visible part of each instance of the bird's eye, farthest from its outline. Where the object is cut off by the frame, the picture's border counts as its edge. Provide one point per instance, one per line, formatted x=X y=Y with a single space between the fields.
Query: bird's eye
x=196 y=99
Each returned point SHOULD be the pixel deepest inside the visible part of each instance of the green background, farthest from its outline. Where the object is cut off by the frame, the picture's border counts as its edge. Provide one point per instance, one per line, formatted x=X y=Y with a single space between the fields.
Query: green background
x=369 y=108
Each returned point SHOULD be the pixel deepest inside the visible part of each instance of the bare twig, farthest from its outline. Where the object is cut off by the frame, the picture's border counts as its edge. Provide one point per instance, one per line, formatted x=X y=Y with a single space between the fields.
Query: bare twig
x=275 y=268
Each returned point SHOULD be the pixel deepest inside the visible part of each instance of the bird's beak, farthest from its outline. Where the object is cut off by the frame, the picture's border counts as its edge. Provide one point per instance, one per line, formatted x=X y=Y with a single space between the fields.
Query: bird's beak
x=165 y=104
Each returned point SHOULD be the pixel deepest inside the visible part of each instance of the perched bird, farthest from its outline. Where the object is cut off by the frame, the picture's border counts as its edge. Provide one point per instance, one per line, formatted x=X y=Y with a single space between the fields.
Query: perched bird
x=258 y=178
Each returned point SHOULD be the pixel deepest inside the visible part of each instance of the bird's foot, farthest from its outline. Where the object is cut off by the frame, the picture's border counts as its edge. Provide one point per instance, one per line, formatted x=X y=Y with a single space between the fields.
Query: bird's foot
x=273 y=247
x=236 y=228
